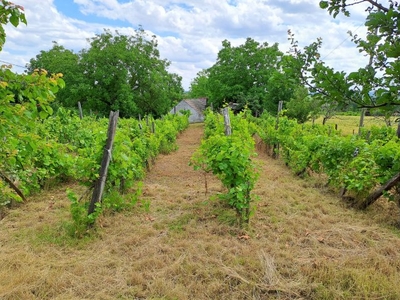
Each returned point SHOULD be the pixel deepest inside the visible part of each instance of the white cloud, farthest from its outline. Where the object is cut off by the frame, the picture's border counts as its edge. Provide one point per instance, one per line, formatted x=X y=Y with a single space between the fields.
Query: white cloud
x=189 y=32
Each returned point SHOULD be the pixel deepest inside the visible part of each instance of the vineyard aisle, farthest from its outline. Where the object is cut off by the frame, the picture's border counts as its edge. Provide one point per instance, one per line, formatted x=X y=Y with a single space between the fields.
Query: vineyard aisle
x=303 y=242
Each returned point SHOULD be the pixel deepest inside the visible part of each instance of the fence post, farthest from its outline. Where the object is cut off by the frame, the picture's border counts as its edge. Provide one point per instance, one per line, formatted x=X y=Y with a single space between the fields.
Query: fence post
x=100 y=183
x=361 y=120
x=80 y=110
x=227 y=121
x=275 y=151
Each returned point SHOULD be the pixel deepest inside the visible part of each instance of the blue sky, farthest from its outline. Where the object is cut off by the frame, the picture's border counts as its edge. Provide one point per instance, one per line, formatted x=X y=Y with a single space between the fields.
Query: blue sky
x=72 y=10
x=189 y=32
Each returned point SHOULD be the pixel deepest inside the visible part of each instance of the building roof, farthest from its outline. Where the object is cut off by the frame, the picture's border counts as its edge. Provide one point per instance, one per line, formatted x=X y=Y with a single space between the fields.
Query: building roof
x=197 y=104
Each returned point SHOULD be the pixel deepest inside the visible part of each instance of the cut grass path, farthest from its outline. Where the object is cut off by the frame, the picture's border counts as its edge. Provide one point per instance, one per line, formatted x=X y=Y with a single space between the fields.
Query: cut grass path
x=303 y=242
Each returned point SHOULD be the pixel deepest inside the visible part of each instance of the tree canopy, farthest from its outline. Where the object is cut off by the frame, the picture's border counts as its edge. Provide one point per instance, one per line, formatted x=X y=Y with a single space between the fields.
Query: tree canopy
x=60 y=60
x=199 y=86
x=249 y=75
x=377 y=85
x=117 y=72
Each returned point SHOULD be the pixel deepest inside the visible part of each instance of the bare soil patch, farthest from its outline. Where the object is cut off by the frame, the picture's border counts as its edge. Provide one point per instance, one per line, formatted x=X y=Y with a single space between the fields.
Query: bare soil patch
x=302 y=243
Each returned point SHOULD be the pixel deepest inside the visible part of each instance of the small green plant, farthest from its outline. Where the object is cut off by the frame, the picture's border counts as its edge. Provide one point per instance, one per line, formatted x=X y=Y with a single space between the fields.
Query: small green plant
x=81 y=220
x=146 y=205
x=229 y=158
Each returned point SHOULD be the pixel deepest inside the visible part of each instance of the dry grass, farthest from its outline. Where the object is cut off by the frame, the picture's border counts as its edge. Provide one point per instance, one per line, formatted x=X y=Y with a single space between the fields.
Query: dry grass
x=350 y=124
x=302 y=243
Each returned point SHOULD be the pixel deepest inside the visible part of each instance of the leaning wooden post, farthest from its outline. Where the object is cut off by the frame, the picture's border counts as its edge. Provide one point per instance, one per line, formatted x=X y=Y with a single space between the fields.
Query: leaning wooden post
x=99 y=186
x=80 y=110
x=12 y=185
x=227 y=121
x=379 y=192
x=275 y=153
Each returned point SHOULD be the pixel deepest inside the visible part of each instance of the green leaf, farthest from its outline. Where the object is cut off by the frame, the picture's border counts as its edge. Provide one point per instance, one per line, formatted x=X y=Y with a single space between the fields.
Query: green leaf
x=14 y=19
x=323 y=4
x=43 y=114
x=49 y=109
x=23 y=19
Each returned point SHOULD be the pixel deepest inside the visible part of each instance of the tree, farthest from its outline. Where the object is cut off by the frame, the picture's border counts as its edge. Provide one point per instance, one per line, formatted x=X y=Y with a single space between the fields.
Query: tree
x=117 y=72
x=251 y=74
x=60 y=60
x=199 y=87
x=126 y=73
x=377 y=85
x=301 y=106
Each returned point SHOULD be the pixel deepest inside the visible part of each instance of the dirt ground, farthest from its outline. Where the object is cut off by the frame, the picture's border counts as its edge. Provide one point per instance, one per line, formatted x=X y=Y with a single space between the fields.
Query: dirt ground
x=180 y=243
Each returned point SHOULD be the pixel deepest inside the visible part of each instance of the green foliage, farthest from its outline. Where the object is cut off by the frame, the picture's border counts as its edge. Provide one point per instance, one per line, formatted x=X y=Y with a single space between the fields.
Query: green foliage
x=10 y=13
x=60 y=60
x=64 y=147
x=301 y=106
x=117 y=72
x=250 y=75
x=229 y=158
x=377 y=85
x=199 y=86
x=79 y=216
x=24 y=100
x=350 y=162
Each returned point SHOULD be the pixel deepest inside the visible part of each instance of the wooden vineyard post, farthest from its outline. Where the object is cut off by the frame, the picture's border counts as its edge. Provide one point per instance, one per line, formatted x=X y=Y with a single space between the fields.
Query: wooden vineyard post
x=379 y=192
x=361 y=120
x=80 y=110
x=227 y=121
x=140 y=123
x=398 y=130
x=275 y=153
x=13 y=186
x=105 y=162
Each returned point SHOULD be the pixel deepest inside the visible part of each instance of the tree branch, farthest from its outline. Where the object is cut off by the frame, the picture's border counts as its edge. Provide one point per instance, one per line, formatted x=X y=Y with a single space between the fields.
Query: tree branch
x=373 y=3
x=355 y=3
x=378 y=5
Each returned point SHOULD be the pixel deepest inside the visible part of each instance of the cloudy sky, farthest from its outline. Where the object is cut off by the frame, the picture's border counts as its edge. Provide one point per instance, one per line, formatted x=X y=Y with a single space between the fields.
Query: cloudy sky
x=189 y=32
